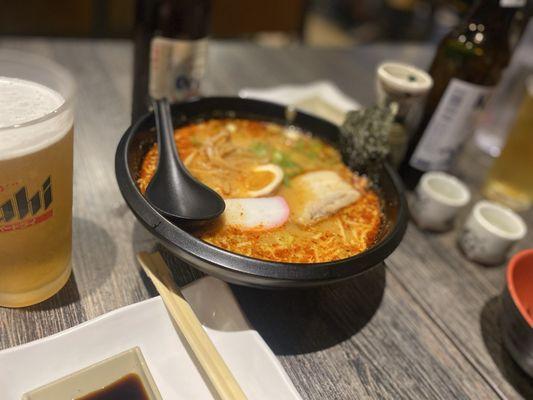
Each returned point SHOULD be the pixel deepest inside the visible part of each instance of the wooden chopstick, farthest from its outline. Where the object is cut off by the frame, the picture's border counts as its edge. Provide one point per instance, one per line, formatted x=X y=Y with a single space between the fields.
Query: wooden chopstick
x=222 y=380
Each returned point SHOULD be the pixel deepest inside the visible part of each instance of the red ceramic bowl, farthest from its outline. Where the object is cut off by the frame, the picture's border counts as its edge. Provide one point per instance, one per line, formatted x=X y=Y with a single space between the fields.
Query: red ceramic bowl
x=518 y=310
x=520 y=283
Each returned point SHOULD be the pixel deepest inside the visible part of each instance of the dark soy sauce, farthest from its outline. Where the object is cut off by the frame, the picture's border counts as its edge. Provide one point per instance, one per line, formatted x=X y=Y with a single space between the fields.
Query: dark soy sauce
x=129 y=387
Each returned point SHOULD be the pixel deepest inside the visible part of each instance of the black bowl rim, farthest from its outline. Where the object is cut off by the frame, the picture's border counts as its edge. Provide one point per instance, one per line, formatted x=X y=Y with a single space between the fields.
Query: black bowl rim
x=206 y=256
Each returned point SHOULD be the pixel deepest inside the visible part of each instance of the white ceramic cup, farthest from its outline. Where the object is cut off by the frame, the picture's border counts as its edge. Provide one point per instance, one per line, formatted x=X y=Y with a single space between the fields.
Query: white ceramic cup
x=490 y=231
x=438 y=198
x=401 y=80
x=403 y=87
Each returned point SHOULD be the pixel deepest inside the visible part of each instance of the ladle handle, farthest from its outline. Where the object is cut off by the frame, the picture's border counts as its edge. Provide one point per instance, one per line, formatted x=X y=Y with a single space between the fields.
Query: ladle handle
x=168 y=153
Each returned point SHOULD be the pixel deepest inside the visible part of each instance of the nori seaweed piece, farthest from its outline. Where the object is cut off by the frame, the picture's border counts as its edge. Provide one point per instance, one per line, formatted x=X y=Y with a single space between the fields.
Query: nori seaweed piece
x=364 y=138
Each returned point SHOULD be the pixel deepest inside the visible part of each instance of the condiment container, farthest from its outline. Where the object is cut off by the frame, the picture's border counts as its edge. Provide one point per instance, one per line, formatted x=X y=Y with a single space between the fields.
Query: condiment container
x=405 y=86
x=97 y=376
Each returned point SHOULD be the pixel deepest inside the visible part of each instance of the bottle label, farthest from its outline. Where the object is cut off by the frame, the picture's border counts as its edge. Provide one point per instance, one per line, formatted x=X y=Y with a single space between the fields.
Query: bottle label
x=512 y=3
x=176 y=67
x=449 y=126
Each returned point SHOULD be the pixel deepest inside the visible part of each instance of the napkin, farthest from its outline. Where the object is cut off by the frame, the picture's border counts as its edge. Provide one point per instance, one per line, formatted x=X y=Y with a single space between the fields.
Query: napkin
x=321 y=98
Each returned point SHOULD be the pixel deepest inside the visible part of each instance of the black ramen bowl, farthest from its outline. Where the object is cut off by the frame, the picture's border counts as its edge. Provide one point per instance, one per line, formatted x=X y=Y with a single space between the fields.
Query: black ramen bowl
x=230 y=266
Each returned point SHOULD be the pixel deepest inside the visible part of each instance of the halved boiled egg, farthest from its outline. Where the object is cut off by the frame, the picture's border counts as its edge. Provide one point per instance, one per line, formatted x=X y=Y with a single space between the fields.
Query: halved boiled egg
x=269 y=176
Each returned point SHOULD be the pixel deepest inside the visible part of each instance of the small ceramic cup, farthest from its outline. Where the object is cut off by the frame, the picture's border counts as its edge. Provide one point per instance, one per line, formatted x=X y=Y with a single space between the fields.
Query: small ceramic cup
x=438 y=198
x=489 y=232
x=403 y=82
x=405 y=86
x=517 y=315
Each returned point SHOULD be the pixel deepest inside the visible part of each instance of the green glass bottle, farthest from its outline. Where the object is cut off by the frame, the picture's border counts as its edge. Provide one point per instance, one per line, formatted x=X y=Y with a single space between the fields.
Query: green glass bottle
x=468 y=64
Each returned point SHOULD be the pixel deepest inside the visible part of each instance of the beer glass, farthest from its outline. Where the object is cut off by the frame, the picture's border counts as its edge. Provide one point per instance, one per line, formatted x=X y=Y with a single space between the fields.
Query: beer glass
x=36 y=139
x=509 y=180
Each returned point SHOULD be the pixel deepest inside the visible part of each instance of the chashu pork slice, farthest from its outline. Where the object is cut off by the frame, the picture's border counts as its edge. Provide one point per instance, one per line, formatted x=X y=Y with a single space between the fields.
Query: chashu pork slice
x=316 y=195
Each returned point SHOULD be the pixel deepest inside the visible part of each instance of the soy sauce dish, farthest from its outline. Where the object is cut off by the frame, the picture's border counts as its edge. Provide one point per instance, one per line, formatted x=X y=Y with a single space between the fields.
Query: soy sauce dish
x=124 y=376
x=295 y=216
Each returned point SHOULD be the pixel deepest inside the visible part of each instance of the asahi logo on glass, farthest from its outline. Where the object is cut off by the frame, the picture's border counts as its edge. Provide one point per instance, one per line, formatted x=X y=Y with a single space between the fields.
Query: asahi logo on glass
x=24 y=208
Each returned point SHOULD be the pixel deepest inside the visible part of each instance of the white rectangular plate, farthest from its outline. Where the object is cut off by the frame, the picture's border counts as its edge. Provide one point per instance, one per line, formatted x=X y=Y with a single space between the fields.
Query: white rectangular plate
x=147 y=325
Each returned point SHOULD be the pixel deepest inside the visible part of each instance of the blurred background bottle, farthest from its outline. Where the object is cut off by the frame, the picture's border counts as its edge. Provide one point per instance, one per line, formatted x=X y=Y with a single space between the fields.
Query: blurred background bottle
x=467 y=65
x=170 y=50
x=510 y=180
x=501 y=109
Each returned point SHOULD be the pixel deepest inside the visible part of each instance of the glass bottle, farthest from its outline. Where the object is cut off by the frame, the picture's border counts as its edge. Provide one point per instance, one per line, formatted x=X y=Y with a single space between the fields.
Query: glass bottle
x=509 y=180
x=467 y=65
x=170 y=50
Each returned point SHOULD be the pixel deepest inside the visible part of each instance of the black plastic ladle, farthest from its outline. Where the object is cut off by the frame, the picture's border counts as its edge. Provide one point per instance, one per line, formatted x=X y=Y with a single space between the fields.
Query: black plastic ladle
x=173 y=191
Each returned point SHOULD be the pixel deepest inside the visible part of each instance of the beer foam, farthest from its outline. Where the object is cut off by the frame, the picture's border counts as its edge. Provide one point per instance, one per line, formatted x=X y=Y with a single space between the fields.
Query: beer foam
x=21 y=102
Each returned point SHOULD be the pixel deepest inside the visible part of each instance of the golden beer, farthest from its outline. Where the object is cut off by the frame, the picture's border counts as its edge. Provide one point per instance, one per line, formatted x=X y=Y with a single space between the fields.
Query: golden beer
x=510 y=179
x=36 y=157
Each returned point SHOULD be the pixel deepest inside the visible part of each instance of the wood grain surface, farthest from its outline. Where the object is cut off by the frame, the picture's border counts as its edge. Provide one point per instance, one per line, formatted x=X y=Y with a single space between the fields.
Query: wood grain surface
x=423 y=326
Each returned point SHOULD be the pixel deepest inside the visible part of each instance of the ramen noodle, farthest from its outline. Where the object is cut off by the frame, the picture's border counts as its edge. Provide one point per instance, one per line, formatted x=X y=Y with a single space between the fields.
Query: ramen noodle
x=289 y=197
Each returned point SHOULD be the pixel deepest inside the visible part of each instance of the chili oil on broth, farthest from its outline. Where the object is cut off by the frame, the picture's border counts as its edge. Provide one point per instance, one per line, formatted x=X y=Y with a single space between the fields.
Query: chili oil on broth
x=223 y=153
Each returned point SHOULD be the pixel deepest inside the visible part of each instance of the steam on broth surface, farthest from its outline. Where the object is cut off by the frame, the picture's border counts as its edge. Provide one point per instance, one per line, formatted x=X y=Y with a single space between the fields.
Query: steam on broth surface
x=289 y=197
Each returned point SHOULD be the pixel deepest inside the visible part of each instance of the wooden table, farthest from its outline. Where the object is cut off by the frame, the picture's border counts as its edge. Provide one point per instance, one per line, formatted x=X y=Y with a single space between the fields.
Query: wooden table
x=425 y=326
